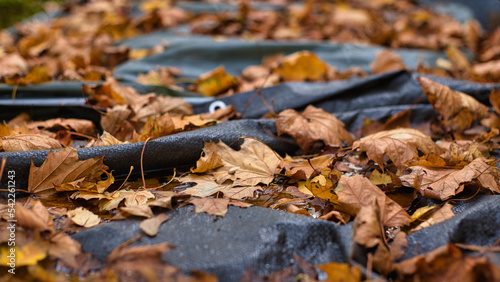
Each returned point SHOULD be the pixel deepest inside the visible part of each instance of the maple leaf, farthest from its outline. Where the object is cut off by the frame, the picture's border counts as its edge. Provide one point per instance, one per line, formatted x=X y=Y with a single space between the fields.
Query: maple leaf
x=444 y=183
x=62 y=167
x=301 y=66
x=312 y=125
x=358 y=191
x=458 y=110
x=386 y=61
x=254 y=163
x=400 y=145
x=83 y=217
x=28 y=142
x=215 y=82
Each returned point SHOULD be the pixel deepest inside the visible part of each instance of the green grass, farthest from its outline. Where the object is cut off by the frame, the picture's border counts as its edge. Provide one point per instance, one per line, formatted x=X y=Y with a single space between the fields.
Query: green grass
x=12 y=11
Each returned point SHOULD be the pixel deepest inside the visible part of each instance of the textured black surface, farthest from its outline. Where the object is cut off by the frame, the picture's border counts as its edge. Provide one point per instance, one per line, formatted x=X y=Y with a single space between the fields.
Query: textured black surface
x=162 y=153
x=263 y=239
x=266 y=240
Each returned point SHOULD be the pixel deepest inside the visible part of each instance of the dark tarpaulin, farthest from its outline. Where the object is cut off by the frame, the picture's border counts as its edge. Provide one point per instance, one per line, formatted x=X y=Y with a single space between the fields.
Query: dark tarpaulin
x=263 y=239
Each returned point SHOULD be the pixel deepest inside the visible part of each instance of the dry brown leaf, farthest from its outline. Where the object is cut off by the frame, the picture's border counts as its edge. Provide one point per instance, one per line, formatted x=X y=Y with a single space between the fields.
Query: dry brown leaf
x=397 y=248
x=447 y=263
x=66 y=249
x=400 y=145
x=206 y=186
x=79 y=125
x=62 y=167
x=150 y=226
x=191 y=122
x=35 y=218
x=312 y=125
x=29 y=142
x=117 y=124
x=302 y=169
x=209 y=159
x=132 y=198
x=301 y=66
x=212 y=206
x=444 y=183
x=386 y=61
x=215 y=82
x=358 y=191
x=458 y=110
x=254 y=163
x=149 y=253
x=83 y=217
x=368 y=240
x=140 y=211
x=155 y=128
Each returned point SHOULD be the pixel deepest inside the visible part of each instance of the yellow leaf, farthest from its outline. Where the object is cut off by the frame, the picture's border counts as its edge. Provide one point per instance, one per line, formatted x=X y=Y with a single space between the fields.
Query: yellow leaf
x=378 y=178
x=341 y=272
x=28 y=254
x=215 y=82
x=83 y=217
x=301 y=66
x=421 y=212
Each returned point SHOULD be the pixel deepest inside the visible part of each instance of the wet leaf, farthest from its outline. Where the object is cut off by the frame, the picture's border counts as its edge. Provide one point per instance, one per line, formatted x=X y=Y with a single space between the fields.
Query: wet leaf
x=312 y=125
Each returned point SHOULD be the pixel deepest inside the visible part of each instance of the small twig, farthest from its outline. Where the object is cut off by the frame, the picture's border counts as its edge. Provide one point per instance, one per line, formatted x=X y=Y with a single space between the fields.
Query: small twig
x=142 y=161
x=130 y=172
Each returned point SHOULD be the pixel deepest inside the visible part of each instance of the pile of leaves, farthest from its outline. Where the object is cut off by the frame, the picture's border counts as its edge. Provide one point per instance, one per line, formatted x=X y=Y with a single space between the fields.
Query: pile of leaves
x=390 y=179
x=82 y=45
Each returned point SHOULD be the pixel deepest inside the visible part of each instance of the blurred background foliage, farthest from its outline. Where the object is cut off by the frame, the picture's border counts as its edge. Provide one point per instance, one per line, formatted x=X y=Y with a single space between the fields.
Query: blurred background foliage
x=12 y=11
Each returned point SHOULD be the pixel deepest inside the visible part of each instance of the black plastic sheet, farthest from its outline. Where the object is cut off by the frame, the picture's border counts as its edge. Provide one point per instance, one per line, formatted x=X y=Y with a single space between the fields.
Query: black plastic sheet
x=263 y=239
